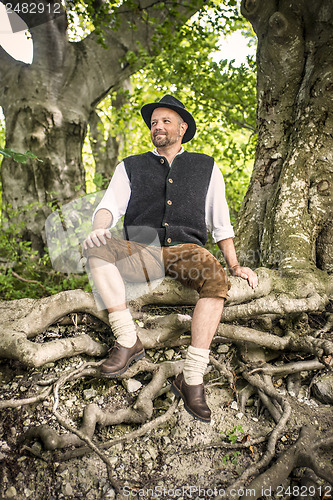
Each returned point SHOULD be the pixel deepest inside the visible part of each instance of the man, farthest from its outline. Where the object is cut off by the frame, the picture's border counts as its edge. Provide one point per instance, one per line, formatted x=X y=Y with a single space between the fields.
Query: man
x=178 y=195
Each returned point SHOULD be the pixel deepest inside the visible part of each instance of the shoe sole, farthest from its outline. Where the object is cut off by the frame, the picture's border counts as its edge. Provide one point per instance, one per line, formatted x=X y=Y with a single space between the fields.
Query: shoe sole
x=179 y=395
x=135 y=357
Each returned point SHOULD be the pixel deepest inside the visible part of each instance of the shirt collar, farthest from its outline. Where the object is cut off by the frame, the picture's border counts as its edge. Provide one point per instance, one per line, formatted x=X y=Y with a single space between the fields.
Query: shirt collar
x=158 y=154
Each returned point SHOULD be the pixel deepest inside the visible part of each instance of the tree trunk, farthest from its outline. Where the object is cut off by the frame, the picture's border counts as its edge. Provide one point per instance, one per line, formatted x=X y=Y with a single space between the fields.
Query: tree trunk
x=286 y=218
x=105 y=143
x=47 y=104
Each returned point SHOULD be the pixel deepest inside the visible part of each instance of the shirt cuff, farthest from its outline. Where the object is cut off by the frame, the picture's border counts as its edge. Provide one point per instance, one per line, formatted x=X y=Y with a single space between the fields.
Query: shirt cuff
x=223 y=233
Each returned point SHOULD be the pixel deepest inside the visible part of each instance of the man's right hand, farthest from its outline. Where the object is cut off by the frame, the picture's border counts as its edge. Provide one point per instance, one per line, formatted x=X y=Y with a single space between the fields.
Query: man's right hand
x=96 y=238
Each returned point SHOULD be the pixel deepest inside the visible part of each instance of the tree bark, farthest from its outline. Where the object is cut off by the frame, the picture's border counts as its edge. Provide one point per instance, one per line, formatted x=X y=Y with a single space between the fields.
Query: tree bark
x=106 y=143
x=47 y=104
x=286 y=218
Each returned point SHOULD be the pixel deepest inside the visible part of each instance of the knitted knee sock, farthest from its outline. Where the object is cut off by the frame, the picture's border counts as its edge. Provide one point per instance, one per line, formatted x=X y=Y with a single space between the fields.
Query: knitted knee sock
x=195 y=365
x=123 y=327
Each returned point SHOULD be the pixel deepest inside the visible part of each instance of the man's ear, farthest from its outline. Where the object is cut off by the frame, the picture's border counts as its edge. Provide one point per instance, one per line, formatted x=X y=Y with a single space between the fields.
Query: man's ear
x=183 y=128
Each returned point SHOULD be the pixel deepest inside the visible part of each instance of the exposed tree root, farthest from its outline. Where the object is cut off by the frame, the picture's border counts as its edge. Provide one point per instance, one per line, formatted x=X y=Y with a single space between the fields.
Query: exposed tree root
x=22 y=320
x=16 y=403
x=304 y=453
x=290 y=368
x=271 y=445
x=93 y=415
x=129 y=436
x=279 y=305
x=225 y=372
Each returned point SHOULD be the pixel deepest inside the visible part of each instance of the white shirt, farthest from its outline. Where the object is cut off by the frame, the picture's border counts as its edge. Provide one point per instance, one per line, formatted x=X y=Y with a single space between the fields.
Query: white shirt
x=118 y=194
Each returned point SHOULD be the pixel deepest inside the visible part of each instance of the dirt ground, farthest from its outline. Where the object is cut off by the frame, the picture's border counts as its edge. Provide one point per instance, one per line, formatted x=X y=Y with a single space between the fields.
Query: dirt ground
x=182 y=459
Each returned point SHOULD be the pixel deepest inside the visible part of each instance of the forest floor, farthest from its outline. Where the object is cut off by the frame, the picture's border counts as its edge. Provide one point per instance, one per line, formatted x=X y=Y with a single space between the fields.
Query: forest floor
x=183 y=458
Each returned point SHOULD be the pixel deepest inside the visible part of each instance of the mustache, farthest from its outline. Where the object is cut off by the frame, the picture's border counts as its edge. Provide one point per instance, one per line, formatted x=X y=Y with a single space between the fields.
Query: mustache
x=159 y=133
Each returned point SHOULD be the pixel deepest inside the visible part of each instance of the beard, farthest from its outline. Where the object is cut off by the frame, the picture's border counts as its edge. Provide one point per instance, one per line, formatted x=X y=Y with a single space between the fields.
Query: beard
x=161 y=140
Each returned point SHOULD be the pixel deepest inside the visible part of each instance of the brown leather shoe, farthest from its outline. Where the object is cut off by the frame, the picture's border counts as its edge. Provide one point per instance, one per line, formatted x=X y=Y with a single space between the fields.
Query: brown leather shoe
x=120 y=358
x=193 y=397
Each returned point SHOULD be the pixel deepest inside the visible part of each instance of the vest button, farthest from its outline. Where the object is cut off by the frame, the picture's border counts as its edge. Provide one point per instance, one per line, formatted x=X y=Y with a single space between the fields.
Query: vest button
x=169 y=202
x=169 y=240
x=166 y=224
x=162 y=160
x=171 y=181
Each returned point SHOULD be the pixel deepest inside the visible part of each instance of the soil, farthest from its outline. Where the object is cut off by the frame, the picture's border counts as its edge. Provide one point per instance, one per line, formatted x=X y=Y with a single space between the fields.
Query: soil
x=184 y=458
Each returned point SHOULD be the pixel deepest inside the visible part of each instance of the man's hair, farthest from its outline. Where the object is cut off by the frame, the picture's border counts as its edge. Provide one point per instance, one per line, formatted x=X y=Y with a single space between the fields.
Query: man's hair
x=180 y=120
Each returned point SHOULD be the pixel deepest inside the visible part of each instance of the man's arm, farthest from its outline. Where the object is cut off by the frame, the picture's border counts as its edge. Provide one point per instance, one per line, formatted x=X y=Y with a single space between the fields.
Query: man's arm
x=227 y=247
x=112 y=206
x=102 y=222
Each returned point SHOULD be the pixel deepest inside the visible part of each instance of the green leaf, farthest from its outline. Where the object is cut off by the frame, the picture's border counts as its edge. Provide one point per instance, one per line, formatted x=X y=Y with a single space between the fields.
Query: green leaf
x=20 y=157
x=6 y=152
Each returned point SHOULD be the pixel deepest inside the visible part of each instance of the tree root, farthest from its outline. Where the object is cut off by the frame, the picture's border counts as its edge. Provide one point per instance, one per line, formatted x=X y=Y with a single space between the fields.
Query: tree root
x=23 y=320
x=304 y=453
x=16 y=403
x=271 y=445
x=278 y=305
x=93 y=415
x=26 y=318
x=129 y=436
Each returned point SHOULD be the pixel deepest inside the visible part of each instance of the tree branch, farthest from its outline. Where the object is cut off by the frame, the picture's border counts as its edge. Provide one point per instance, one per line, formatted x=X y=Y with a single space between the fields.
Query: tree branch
x=134 y=29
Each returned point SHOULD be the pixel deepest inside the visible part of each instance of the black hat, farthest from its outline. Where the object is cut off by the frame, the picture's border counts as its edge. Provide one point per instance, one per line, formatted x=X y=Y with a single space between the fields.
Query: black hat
x=168 y=101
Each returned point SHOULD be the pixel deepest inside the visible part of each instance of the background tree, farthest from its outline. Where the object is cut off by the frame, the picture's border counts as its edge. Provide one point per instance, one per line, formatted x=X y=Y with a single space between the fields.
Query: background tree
x=287 y=217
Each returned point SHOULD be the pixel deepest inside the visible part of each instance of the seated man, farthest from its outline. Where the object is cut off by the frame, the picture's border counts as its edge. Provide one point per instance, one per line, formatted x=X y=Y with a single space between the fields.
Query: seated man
x=179 y=195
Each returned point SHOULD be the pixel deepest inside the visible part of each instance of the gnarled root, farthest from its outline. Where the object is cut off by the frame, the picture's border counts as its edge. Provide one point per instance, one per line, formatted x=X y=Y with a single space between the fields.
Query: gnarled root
x=24 y=319
x=304 y=453
x=93 y=415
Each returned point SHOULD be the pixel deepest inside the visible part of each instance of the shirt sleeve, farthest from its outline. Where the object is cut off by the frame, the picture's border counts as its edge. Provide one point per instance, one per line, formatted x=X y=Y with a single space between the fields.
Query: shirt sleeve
x=217 y=211
x=117 y=195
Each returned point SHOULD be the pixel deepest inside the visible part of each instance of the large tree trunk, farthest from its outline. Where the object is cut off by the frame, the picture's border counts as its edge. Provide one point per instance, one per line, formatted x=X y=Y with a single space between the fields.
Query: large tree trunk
x=105 y=143
x=286 y=218
x=47 y=104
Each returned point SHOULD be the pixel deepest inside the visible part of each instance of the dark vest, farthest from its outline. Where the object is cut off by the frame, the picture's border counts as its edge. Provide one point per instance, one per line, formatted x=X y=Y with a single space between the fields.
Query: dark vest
x=170 y=201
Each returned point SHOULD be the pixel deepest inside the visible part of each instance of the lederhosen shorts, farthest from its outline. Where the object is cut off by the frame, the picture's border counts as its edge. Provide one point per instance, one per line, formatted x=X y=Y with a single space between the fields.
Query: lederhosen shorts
x=190 y=264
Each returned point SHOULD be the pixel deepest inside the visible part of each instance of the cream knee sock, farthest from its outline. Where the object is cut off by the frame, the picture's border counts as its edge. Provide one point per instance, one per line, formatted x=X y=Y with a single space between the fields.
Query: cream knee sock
x=123 y=327
x=195 y=365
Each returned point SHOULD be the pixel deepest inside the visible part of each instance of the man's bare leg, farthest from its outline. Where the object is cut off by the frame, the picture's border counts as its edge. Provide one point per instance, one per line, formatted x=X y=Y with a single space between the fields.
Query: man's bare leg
x=206 y=318
x=109 y=284
x=189 y=384
x=111 y=288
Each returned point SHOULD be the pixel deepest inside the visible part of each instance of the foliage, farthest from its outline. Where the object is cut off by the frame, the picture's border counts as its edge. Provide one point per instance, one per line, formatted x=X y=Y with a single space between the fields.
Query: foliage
x=17 y=156
x=232 y=435
x=25 y=274
x=231 y=456
x=85 y=16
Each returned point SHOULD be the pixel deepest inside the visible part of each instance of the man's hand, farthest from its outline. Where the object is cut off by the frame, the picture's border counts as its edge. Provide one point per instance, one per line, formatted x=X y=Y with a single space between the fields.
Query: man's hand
x=96 y=238
x=245 y=273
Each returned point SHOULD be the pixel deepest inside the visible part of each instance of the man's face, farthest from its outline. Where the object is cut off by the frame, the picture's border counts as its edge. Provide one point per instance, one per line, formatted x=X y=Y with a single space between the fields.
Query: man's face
x=167 y=127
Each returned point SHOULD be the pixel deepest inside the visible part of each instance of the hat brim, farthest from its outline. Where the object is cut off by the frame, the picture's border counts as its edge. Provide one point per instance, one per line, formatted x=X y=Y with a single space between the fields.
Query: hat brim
x=147 y=111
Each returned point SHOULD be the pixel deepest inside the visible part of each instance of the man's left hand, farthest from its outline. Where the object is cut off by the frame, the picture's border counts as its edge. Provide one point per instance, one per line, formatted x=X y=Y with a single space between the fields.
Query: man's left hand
x=247 y=274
